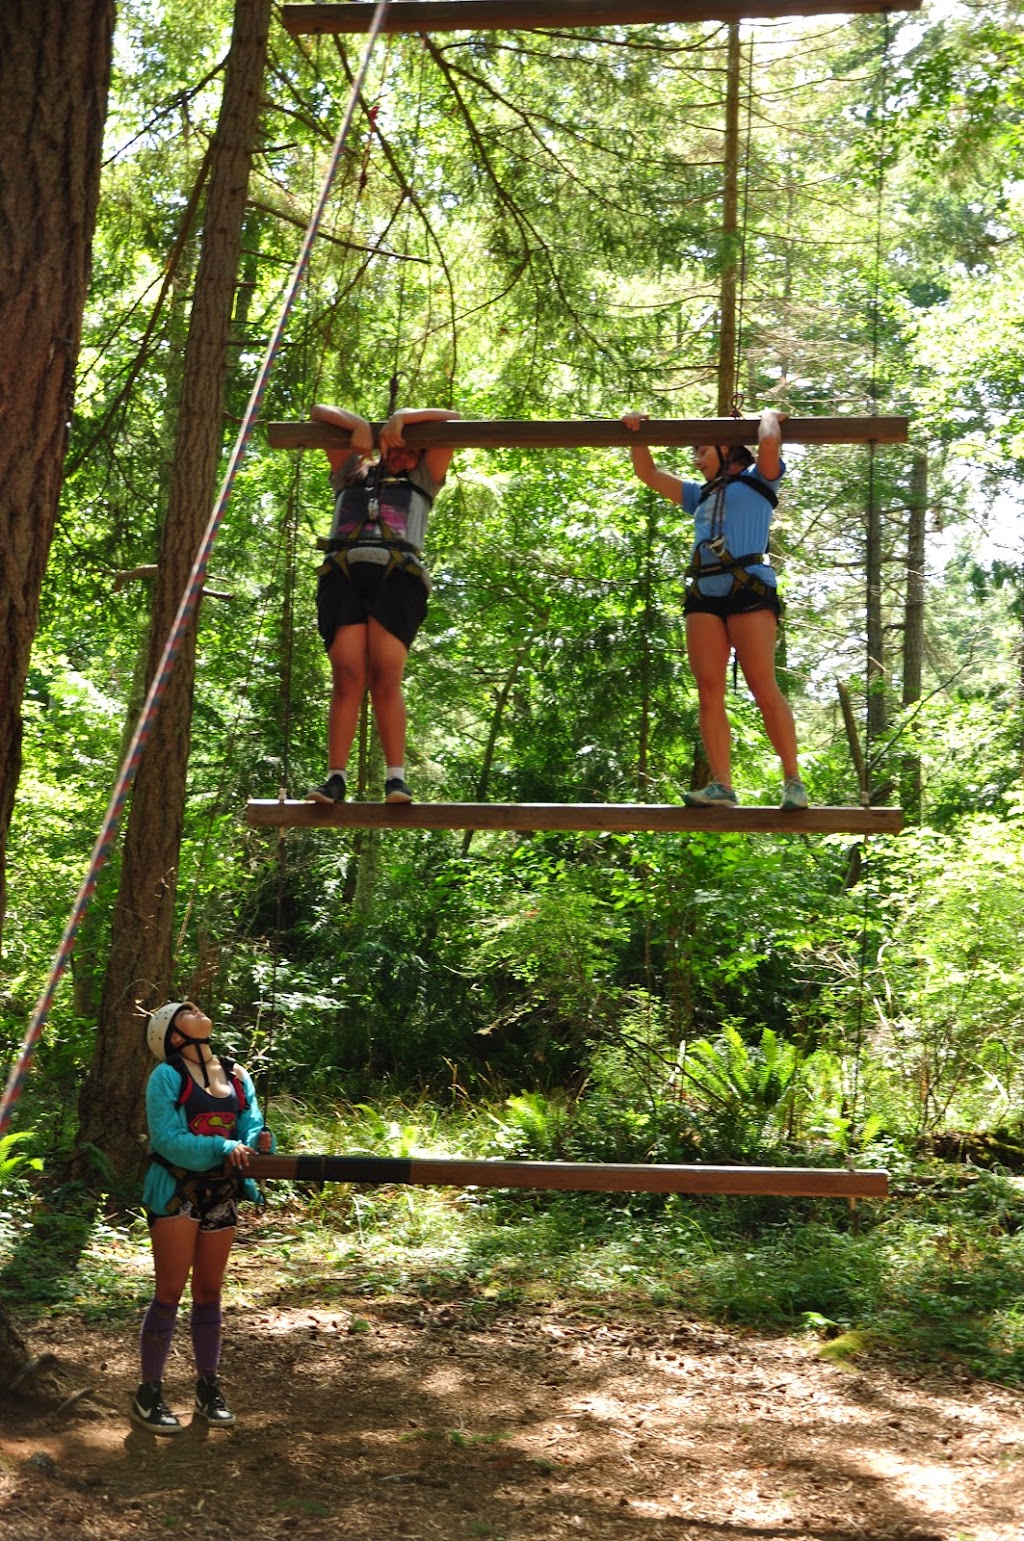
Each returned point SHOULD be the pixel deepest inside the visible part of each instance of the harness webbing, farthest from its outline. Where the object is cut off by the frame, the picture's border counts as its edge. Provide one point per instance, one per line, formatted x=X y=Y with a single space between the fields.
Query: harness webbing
x=108 y=829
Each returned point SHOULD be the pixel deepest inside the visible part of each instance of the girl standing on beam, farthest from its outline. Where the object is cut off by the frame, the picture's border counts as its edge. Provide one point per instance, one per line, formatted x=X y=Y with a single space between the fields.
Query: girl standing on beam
x=372 y=594
x=731 y=596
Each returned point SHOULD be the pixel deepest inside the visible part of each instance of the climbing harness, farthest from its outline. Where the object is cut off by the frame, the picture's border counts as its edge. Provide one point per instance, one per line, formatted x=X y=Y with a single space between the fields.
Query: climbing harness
x=724 y=563
x=366 y=512
x=202 y=1189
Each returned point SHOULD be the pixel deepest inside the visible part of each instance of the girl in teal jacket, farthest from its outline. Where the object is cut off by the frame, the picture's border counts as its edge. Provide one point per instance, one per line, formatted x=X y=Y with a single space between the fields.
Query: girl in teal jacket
x=202 y=1114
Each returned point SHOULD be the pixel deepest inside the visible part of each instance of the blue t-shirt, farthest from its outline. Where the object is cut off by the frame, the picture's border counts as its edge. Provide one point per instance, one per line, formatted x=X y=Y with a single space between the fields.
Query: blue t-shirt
x=741 y=516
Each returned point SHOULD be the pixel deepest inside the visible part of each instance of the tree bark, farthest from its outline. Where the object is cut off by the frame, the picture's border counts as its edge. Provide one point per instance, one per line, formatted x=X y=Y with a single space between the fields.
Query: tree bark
x=54 y=76
x=140 y=965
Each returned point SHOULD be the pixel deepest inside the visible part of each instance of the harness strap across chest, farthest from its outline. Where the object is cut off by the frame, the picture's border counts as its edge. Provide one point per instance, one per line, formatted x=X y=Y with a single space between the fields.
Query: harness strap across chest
x=402 y=554
x=201 y=1188
x=728 y=565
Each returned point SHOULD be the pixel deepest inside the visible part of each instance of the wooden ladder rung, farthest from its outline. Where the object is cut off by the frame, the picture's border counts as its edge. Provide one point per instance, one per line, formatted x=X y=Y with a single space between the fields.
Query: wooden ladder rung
x=596 y=817
x=598 y=433
x=590 y=1177
x=561 y=15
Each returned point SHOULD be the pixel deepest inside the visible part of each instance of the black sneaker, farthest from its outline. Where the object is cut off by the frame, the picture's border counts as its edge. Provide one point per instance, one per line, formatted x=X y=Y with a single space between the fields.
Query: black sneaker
x=332 y=791
x=396 y=791
x=210 y=1404
x=150 y=1412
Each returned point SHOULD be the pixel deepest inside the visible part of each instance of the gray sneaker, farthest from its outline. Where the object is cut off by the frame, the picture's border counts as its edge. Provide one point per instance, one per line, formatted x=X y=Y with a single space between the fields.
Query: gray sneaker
x=714 y=795
x=794 y=794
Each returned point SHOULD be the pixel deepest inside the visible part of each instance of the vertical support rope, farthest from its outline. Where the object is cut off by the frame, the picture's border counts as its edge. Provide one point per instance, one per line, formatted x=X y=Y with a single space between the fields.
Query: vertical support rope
x=108 y=829
x=876 y=306
x=741 y=305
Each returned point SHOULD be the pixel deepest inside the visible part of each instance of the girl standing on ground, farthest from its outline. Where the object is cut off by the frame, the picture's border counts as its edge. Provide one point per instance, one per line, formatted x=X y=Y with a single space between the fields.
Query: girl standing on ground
x=201 y=1110
x=731 y=598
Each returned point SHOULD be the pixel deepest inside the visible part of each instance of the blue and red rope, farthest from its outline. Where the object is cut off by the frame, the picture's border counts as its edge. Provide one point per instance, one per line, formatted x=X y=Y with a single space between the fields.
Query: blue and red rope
x=108 y=829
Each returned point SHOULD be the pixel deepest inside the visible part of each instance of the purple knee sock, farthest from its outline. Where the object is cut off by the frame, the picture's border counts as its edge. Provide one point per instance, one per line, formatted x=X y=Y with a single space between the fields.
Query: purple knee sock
x=205 y=1327
x=155 y=1343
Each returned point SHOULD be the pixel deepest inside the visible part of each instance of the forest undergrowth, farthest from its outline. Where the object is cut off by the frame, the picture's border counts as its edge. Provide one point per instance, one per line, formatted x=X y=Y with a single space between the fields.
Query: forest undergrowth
x=934 y=1274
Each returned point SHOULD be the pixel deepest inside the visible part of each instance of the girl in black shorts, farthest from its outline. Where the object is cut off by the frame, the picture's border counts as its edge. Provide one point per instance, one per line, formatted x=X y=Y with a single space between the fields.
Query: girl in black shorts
x=373 y=588
x=731 y=600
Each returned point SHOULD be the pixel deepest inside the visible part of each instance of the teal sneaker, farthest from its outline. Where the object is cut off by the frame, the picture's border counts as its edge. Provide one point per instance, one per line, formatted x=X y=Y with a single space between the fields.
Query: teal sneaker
x=794 y=794
x=714 y=795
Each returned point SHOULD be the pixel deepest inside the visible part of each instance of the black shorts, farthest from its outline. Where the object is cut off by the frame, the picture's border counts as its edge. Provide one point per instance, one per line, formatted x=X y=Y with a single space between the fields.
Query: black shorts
x=398 y=601
x=741 y=601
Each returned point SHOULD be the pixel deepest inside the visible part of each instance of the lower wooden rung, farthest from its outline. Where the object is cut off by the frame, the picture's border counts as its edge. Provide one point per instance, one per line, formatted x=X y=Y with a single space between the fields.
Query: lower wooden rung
x=591 y=1177
x=599 y=817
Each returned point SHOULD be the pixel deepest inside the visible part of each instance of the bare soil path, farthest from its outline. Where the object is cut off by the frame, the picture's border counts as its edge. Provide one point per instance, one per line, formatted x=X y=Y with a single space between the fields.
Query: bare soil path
x=394 y=1418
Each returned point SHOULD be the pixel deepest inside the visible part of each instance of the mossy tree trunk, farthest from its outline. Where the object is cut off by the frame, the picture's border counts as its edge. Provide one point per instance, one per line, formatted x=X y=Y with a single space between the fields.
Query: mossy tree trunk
x=54 y=77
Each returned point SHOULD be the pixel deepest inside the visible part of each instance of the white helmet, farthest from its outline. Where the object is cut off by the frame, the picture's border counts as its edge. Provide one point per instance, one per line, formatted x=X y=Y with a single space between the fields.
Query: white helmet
x=160 y=1025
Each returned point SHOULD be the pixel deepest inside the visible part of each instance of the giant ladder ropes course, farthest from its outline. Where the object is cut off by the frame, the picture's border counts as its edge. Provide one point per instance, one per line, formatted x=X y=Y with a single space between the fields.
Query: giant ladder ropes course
x=427 y=16
x=373 y=20
x=282 y=813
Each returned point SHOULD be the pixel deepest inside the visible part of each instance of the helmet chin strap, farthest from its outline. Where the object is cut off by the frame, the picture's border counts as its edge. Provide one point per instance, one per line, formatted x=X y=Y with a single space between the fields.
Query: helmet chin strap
x=202 y=1057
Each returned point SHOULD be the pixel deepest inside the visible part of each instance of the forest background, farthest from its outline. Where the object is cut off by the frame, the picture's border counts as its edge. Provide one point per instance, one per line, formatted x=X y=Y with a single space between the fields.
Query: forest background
x=531 y=225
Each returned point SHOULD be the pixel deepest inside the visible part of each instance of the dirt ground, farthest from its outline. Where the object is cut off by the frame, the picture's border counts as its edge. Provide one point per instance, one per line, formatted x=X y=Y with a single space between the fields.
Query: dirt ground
x=386 y=1418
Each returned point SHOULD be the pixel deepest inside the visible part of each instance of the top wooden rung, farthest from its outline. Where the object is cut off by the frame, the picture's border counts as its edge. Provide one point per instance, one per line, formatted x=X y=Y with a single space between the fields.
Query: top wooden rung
x=562 y=15
x=600 y=432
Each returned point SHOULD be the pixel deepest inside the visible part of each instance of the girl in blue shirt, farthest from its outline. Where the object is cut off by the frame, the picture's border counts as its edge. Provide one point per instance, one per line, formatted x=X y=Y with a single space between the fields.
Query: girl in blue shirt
x=731 y=604
x=201 y=1112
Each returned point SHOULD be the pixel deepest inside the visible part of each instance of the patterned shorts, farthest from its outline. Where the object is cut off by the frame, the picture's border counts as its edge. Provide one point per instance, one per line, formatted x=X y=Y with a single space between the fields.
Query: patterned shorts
x=213 y=1205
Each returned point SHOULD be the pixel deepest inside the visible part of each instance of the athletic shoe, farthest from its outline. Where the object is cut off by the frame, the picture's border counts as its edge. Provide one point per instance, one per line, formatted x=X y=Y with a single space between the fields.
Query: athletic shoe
x=210 y=1404
x=332 y=791
x=794 y=794
x=149 y=1411
x=396 y=791
x=714 y=795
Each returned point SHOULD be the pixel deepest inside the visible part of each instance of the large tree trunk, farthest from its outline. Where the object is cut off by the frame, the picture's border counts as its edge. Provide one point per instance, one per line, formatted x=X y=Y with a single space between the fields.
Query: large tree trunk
x=878 y=699
x=139 y=969
x=54 y=75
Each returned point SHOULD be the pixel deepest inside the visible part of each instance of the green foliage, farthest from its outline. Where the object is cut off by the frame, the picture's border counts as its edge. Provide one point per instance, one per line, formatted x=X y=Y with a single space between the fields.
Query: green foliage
x=520 y=234
x=11 y=1160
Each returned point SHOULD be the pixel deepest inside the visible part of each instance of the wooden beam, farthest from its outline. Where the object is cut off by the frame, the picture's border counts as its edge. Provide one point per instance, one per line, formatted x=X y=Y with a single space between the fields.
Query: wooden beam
x=561 y=15
x=600 y=432
x=579 y=1176
x=596 y=817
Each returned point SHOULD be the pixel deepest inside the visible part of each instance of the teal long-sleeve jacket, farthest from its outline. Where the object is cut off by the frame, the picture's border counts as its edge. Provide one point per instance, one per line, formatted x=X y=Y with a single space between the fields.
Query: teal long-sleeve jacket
x=171 y=1137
